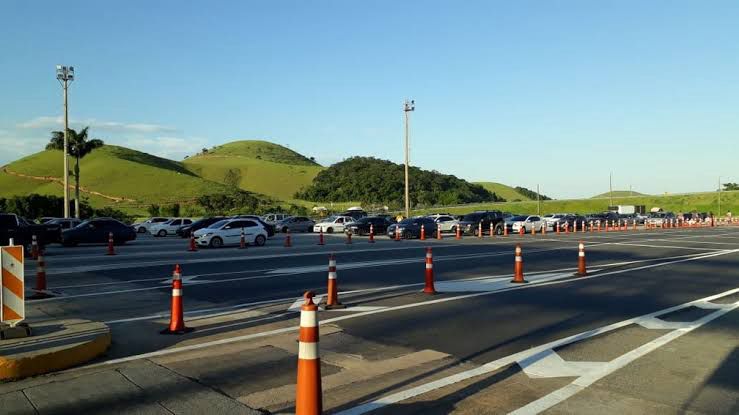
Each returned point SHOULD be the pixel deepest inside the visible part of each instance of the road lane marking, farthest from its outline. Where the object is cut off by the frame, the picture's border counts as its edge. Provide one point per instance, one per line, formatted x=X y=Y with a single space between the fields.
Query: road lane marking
x=667 y=246
x=543 y=351
x=251 y=336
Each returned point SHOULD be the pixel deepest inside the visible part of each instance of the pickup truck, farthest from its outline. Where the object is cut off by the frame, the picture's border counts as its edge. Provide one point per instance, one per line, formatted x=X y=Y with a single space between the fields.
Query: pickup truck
x=17 y=228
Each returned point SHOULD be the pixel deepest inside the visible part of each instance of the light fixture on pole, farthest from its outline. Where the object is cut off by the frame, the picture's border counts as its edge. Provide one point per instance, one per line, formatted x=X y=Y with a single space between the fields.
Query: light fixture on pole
x=408 y=106
x=65 y=75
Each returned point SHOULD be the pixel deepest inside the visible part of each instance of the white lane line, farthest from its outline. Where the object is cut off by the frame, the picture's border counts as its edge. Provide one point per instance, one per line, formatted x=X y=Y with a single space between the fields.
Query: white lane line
x=588 y=379
x=541 y=350
x=402 y=307
x=693 y=242
x=667 y=246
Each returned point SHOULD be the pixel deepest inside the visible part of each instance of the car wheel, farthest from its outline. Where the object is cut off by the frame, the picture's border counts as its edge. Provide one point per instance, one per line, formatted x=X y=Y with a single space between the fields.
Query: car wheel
x=330 y=230
x=162 y=233
x=141 y=230
x=499 y=230
x=260 y=240
x=216 y=242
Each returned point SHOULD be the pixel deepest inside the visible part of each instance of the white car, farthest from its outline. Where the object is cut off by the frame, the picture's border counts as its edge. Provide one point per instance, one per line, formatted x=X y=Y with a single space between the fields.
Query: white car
x=228 y=232
x=446 y=223
x=169 y=227
x=143 y=227
x=528 y=223
x=333 y=224
x=273 y=218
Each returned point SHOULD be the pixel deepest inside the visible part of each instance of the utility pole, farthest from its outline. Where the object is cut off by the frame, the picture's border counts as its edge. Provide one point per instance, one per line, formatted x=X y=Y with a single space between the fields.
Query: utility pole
x=65 y=75
x=538 y=201
x=610 y=189
x=719 y=197
x=408 y=106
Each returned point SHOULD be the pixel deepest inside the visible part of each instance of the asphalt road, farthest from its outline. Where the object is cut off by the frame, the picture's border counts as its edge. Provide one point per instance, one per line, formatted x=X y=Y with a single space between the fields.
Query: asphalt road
x=237 y=298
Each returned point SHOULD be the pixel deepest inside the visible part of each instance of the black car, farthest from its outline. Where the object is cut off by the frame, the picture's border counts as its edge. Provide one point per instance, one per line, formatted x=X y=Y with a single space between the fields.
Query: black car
x=470 y=223
x=187 y=230
x=354 y=213
x=21 y=232
x=411 y=228
x=59 y=225
x=361 y=226
x=96 y=231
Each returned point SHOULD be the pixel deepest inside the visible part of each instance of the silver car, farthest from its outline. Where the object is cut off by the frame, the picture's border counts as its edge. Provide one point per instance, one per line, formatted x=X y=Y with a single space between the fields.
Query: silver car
x=446 y=223
x=295 y=224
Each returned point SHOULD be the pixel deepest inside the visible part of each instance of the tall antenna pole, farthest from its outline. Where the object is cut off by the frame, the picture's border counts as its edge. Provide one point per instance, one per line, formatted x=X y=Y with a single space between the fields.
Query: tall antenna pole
x=408 y=106
x=610 y=189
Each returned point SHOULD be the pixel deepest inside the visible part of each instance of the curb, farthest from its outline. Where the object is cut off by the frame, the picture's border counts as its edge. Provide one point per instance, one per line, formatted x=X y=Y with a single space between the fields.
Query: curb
x=41 y=361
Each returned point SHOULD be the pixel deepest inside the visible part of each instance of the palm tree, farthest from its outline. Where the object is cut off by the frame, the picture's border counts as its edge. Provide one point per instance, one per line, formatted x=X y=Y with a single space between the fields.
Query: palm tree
x=78 y=146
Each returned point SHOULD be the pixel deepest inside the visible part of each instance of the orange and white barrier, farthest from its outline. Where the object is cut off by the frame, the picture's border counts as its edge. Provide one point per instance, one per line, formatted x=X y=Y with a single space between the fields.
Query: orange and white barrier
x=581 y=270
x=12 y=297
x=308 y=391
x=429 y=288
x=332 y=298
x=518 y=266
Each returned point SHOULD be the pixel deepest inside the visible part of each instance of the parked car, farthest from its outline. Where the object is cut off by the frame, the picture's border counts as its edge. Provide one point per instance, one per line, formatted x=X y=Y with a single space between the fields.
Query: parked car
x=411 y=228
x=446 y=223
x=228 y=232
x=186 y=230
x=354 y=212
x=15 y=227
x=45 y=219
x=273 y=218
x=528 y=224
x=62 y=223
x=471 y=221
x=659 y=218
x=269 y=227
x=143 y=227
x=361 y=226
x=295 y=224
x=333 y=224
x=169 y=227
x=97 y=230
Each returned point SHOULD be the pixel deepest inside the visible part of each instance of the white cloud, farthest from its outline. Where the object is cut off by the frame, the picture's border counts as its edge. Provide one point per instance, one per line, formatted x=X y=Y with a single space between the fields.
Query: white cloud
x=46 y=122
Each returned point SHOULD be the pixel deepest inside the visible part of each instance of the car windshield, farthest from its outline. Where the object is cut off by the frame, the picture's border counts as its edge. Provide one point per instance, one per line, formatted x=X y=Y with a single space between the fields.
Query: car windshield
x=518 y=218
x=329 y=219
x=83 y=224
x=218 y=224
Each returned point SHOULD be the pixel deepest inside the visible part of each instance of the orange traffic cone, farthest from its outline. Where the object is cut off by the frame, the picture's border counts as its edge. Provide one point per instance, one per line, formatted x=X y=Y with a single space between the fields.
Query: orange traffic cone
x=397 y=233
x=581 y=271
x=423 y=233
x=41 y=289
x=557 y=228
x=479 y=230
x=521 y=230
x=372 y=234
x=288 y=240
x=308 y=391
x=348 y=238
x=111 y=250
x=242 y=240
x=177 y=319
x=438 y=233
x=492 y=230
x=320 y=236
x=429 y=288
x=192 y=247
x=518 y=267
x=505 y=229
x=459 y=232
x=332 y=299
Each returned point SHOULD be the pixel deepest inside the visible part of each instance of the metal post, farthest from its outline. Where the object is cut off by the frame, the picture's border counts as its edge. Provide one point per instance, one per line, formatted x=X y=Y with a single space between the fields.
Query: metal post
x=407 y=107
x=610 y=189
x=66 y=157
x=719 y=197
x=538 y=201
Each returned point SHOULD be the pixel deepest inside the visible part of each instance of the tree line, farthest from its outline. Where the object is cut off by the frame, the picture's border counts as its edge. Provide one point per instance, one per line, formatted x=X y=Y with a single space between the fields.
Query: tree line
x=369 y=180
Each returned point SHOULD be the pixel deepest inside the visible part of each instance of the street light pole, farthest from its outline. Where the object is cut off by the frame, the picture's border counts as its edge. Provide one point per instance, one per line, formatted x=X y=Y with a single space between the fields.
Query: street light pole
x=65 y=75
x=719 y=197
x=408 y=106
x=538 y=201
x=610 y=189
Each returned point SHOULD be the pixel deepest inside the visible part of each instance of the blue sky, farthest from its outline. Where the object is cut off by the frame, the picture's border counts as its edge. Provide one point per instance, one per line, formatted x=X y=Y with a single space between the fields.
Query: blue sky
x=555 y=93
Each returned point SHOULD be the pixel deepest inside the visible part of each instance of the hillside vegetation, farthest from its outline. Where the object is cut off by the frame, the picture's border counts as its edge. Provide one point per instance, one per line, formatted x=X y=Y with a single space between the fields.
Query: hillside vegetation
x=702 y=202
x=111 y=175
x=618 y=193
x=374 y=181
x=256 y=166
x=506 y=192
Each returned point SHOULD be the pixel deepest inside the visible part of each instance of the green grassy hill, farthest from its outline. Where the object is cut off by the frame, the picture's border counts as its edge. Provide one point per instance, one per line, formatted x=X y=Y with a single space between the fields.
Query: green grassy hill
x=124 y=178
x=256 y=166
x=702 y=202
x=506 y=192
x=618 y=193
